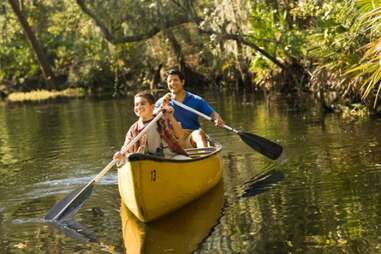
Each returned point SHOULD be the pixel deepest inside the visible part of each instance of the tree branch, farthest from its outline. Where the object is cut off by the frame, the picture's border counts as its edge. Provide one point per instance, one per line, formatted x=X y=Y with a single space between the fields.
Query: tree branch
x=241 y=39
x=226 y=36
x=132 y=38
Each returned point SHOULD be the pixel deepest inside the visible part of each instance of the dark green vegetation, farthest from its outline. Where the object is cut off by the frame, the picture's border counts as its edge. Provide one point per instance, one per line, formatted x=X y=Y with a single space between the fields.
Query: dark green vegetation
x=328 y=47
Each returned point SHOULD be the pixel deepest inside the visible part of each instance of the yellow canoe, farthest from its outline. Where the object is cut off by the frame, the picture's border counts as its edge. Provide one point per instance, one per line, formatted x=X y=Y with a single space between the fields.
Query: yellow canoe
x=177 y=233
x=153 y=186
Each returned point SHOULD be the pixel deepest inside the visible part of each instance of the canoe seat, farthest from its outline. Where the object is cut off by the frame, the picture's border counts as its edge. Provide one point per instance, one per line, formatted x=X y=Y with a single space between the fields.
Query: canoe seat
x=198 y=152
x=181 y=157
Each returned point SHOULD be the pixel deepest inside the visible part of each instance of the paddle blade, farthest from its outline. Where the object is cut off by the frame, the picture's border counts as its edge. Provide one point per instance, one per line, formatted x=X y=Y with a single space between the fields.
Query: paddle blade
x=262 y=145
x=70 y=204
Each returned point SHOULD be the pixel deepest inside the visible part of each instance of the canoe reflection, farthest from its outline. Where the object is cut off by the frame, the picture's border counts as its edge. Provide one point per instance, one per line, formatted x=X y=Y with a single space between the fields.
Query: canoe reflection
x=178 y=232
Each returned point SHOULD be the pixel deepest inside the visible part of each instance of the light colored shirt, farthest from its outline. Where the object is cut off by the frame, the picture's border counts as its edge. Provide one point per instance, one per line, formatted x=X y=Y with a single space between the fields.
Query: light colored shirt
x=156 y=143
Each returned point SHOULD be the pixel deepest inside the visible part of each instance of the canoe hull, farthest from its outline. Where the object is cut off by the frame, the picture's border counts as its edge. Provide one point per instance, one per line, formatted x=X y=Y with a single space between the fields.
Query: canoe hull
x=178 y=232
x=151 y=187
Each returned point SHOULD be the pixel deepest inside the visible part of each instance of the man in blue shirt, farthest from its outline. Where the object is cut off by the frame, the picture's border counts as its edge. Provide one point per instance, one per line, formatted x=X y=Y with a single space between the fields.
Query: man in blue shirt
x=195 y=137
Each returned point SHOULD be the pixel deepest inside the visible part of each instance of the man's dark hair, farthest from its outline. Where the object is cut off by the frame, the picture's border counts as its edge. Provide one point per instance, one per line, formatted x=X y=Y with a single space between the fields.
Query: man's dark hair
x=147 y=95
x=175 y=71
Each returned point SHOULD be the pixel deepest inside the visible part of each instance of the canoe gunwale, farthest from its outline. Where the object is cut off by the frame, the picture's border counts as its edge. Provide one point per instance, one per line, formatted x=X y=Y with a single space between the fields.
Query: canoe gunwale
x=142 y=156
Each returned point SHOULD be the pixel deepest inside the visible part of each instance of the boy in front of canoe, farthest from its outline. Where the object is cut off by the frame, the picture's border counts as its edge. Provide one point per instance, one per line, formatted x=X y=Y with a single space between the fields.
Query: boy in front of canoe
x=194 y=135
x=162 y=138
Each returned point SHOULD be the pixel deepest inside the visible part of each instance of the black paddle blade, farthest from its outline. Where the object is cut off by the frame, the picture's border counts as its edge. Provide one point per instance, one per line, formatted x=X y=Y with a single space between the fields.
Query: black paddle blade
x=262 y=145
x=70 y=204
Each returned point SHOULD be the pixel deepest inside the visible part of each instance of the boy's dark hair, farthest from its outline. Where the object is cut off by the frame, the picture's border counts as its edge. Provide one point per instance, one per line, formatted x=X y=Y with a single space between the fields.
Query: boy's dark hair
x=175 y=71
x=147 y=95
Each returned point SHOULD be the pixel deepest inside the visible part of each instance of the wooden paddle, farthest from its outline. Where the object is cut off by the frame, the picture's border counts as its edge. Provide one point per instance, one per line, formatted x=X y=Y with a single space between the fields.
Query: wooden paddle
x=260 y=144
x=69 y=205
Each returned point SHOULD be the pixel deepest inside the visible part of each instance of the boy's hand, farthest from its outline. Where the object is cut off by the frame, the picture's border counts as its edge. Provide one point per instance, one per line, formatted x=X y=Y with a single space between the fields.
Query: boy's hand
x=118 y=156
x=167 y=109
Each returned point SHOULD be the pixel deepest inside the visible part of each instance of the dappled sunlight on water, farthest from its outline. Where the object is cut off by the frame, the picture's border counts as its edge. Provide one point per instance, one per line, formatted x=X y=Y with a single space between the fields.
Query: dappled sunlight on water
x=321 y=196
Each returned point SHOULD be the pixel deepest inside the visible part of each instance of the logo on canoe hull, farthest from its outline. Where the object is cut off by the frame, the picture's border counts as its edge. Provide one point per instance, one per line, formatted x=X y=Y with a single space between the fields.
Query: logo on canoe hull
x=153 y=175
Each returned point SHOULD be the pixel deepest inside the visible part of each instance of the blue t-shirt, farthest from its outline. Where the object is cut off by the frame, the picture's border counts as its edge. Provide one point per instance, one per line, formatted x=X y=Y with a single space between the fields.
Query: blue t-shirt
x=188 y=119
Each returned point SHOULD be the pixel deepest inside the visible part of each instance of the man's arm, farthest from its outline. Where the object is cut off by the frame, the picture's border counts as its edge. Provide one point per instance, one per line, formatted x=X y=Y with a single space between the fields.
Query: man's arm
x=177 y=129
x=208 y=110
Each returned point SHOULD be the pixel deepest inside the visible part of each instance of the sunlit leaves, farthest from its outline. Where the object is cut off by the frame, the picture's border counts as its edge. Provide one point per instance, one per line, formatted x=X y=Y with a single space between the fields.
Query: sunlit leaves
x=335 y=41
x=369 y=68
x=278 y=32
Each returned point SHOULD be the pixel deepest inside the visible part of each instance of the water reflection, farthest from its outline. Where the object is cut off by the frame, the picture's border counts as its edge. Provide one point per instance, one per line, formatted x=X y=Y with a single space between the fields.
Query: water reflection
x=73 y=229
x=262 y=183
x=179 y=232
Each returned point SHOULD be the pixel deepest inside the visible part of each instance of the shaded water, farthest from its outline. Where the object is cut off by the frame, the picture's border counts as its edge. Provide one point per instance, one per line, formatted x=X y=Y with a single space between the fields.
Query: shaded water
x=323 y=195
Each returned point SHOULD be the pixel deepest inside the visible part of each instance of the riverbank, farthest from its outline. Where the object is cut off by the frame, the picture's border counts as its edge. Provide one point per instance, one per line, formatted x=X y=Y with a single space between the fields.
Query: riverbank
x=41 y=95
x=354 y=110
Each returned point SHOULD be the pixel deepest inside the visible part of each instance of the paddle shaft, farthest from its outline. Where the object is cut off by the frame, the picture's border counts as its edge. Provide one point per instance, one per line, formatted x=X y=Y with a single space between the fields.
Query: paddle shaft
x=258 y=143
x=202 y=115
x=109 y=165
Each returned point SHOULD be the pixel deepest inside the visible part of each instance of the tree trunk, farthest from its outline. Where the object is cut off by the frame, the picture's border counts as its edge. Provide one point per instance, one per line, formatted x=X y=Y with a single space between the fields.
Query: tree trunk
x=192 y=77
x=156 y=78
x=176 y=48
x=245 y=76
x=35 y=45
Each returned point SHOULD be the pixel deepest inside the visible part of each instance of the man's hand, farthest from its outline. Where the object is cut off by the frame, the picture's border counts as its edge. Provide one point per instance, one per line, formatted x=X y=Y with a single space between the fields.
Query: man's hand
x=217 y=120
x=168 y=110
x=166 y=99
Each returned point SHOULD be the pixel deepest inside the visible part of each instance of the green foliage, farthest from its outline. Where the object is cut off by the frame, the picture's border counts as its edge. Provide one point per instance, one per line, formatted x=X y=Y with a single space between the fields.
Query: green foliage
x=75 y=46
x=335 y=40
x=308 y=31
x=272 y=29
x=117 y=44
x=368 y=70
x=278 y=32
x=314 y=34
x=16 y=60
x=354 y=111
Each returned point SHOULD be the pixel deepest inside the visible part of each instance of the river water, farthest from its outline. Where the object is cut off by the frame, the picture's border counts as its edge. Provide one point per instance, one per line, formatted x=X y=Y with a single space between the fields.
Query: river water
x=321 y=196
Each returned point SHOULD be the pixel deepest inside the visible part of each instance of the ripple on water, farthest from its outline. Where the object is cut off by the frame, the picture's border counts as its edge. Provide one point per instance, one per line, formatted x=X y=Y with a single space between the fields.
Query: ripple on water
x=53 y=187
